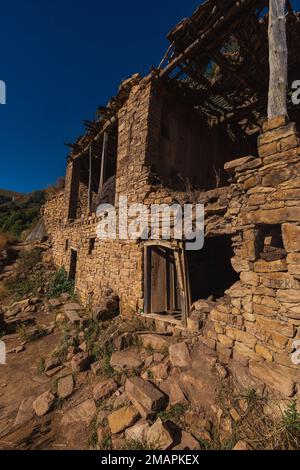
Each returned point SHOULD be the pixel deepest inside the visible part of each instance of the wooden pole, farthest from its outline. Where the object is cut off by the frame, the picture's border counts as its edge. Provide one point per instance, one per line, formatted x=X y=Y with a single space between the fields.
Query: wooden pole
x=278 y=58
x=90 y=180
x=103 y=161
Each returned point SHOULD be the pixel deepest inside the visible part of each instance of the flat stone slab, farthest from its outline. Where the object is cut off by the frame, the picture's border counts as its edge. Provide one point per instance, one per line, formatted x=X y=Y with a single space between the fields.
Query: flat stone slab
x=126 y=360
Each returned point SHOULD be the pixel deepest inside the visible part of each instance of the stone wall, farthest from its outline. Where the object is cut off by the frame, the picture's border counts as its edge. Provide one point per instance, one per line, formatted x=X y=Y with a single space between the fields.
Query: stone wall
x=255 y=331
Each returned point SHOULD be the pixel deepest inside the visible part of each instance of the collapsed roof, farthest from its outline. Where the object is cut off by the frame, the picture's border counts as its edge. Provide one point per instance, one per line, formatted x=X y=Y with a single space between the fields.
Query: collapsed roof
x=218 y=60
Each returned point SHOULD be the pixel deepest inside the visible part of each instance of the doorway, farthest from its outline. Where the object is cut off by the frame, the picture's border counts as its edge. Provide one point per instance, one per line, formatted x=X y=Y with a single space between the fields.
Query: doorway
x=163 y=284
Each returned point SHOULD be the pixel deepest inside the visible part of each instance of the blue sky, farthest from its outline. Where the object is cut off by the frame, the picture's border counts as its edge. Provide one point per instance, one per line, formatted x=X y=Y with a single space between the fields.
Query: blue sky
x=62 y=58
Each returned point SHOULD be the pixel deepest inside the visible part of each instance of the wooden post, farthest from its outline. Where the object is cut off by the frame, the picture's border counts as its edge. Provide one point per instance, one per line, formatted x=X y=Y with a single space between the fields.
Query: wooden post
x=103 y=161
x=90 y=180
x=278 y=58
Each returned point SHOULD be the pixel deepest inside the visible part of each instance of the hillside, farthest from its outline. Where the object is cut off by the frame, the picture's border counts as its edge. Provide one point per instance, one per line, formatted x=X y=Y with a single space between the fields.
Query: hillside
x=18 y=211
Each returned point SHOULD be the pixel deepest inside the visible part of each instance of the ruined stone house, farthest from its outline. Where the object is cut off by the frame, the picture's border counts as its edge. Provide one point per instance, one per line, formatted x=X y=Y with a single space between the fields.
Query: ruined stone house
x=196 y=130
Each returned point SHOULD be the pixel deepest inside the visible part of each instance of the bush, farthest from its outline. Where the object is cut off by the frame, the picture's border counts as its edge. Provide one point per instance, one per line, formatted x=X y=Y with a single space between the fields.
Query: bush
x=60 y=283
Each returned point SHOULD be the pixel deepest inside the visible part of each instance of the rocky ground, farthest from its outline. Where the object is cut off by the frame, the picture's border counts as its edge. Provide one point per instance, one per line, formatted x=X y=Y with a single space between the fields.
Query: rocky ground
x=80 y=378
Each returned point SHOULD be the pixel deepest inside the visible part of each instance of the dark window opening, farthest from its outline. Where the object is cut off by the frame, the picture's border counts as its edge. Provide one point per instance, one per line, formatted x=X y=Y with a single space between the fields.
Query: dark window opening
x=66 y=245
x=73 y=265
x=210 y=269
x=162 y=294
x=269 y=243
x=92 y=242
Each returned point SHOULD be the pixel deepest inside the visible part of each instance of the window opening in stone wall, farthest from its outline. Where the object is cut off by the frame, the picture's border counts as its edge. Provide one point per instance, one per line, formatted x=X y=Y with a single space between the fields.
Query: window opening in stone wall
x=270 y=243
x=73 y=265
x=210 y=269
x=66 y=245
x=92 y=242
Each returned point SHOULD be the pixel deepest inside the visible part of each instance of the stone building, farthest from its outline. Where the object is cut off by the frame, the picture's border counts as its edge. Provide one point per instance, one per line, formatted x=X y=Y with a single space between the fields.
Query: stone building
x=196 y=130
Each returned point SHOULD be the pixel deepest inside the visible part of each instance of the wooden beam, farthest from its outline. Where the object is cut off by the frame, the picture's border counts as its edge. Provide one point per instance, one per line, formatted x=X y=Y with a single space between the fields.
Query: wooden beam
x=278 y=59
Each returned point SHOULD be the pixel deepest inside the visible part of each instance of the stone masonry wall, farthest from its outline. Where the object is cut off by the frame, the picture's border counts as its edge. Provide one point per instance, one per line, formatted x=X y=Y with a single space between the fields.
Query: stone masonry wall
x=254 y=333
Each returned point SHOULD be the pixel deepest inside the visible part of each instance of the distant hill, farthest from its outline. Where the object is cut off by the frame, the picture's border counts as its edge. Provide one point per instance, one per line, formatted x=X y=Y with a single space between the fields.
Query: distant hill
x=19 y=212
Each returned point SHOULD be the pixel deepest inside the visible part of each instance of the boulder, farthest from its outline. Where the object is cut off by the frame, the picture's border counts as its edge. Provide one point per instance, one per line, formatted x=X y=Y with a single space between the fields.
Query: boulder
x=55 y=302
x=179 y=355
x=171 y=388
x=51 y=363
x=242 y=445
x=122 y=419
x=108 y=308
x=73 y=317
x=83 y=413
x=138 y=432
x=126 y=360
x=43 y=404
x=104 y=389
x=72 y=307
x=96 y=367
x=81 y=362
x=145 y=396
x=156 y=342
x=159 y=437
x=187 y=442
x=65 y=386
x=25 y=411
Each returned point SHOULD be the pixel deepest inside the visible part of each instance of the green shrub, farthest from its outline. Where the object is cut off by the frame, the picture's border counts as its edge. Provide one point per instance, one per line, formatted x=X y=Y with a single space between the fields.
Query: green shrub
x=291 y=418
x=60 y=283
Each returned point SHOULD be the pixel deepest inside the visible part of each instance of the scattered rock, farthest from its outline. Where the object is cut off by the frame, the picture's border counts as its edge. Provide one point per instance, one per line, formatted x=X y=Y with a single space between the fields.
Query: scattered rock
x=81 y=362
x=85 y=412
x=187 y=442
x=73 y=317
x=104 y=389
x=221 y=371
x=226 y=429
x=179 y=355
x=160 y=371
x=156 y=342
x=25 y=411
x=123 y=418
x=159 y=437
x=144 y=396
x=242 y=445
x=96 y=367
x=138 y=432
x=43 y=404
x=51 y=363
x=108 y=308
x=171 y=388
x=55 y=303
x=126 y=360
x=65 y=386
x=72 y=307
x=65 y=297
x=123 y=342
x=121 y=401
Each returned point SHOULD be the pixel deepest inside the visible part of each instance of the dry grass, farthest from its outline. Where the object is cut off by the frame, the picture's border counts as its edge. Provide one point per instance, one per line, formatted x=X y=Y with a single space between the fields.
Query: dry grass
x=4 y=292
x=3 y=241
x=265 y=425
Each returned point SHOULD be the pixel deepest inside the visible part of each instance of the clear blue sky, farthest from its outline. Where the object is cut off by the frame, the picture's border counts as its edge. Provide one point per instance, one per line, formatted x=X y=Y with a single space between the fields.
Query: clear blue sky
x=62 y=58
